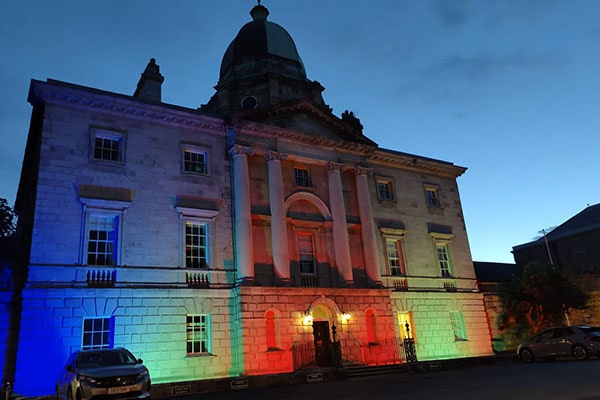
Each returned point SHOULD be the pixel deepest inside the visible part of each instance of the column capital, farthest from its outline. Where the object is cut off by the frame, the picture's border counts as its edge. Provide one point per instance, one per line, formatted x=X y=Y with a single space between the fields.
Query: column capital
x=238 y=149
x=364 y=170
x=334 y=166
x=275 y=156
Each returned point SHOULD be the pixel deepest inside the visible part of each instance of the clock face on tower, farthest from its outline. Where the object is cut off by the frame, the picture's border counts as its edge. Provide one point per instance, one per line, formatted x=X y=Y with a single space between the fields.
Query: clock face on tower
x=249 y=103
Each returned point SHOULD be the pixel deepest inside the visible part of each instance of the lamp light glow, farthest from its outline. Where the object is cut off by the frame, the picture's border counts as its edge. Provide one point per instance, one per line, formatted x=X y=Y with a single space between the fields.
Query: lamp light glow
x=345 y=317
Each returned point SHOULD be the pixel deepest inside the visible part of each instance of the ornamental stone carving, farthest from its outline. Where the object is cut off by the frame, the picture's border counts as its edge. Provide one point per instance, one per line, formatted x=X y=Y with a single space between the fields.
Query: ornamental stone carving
x=238 y=149
x=333 y=166
x=275 y=156
x=364 y=170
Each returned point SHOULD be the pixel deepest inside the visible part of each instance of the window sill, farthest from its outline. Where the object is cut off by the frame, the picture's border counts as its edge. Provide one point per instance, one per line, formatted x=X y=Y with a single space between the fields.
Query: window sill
x=200 y=355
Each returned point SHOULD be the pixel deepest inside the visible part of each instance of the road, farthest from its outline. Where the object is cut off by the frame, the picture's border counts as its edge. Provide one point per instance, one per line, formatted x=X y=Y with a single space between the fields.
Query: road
x=559 y=380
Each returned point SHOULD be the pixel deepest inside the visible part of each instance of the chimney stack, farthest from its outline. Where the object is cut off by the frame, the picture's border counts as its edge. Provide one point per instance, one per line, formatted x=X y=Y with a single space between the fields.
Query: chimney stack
x=148 y=87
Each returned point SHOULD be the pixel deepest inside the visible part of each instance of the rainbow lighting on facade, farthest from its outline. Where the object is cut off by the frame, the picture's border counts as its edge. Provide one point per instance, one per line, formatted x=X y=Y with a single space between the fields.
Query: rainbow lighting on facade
x=262 y=248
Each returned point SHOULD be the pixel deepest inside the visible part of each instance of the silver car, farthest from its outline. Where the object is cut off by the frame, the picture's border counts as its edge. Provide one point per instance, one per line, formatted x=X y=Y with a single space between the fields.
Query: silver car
x=103 y=374
x=565 y=341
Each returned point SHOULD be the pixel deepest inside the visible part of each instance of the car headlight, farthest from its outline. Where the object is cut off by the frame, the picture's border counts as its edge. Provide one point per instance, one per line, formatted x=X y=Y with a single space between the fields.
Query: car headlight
x=142 y=374
x=87 y=378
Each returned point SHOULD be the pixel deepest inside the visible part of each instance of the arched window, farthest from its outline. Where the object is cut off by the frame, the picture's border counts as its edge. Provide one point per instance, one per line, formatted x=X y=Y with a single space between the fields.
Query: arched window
x=370 y=322
x=271 y=330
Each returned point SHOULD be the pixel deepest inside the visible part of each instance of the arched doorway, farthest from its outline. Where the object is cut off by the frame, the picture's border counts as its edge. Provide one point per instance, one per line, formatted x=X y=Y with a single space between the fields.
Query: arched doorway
x=323 y=320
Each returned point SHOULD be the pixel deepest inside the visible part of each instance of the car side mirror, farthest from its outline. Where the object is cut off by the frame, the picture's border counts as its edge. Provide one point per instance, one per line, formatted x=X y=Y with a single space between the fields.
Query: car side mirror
x=140 y=361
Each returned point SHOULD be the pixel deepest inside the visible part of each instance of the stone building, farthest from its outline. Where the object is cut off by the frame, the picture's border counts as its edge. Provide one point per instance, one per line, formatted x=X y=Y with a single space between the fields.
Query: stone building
x=241 y=238
x=573 y=248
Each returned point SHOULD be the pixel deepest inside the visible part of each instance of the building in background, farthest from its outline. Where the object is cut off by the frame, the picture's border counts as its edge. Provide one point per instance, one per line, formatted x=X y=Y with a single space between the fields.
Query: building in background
x=573 y=248
x=241 y=238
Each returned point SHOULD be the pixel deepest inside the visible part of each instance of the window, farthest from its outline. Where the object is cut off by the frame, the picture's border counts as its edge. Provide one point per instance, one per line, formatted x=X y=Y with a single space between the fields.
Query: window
x=395 y=255
x=371 y=326
x=403 y=319
x=444 y=260
x=107 y=146
x=97 y=333
x=196 y=248
x=458 y=326
x=272 y=330
x=432 y=196
x=195 y=160
x=385 y=189
x=197 y=216
x=306 y=255
x=198 y=334
x=102 y=239
x=301 y=177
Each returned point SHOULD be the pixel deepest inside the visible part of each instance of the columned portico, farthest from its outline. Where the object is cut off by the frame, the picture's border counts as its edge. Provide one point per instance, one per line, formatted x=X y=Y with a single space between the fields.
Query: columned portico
x=340 y=229
x=368 y=226
x=279 y=242
x=242 y=213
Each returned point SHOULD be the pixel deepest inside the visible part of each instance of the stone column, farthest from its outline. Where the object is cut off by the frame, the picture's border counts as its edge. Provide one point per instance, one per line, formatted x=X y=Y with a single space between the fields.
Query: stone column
x=279 y=239
x=341 y=242
x=365 y=211
x=242 y=213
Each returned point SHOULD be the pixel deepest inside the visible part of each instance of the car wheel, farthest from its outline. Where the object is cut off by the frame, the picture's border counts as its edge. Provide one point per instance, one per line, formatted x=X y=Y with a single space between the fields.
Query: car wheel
x=580 y=352
x=527 y=355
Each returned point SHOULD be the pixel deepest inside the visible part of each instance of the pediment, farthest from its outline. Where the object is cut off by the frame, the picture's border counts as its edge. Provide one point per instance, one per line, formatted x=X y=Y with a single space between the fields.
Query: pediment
x=303 y=116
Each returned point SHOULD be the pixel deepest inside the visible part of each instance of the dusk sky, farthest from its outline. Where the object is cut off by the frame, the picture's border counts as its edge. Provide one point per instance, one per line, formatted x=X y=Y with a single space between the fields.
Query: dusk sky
x=509 y=89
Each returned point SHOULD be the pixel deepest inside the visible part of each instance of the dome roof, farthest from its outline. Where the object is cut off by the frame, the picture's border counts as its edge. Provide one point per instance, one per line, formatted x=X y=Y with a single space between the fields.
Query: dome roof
x=260 y=38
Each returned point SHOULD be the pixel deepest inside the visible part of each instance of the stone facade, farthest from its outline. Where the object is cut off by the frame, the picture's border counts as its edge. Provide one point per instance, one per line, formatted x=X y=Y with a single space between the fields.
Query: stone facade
x=259 y=234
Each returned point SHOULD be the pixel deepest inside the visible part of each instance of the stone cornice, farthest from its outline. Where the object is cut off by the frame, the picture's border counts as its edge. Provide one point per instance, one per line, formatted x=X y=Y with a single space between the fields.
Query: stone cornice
x=61 y=93
x=415 y=163
x=256 y=129
x=85 y=98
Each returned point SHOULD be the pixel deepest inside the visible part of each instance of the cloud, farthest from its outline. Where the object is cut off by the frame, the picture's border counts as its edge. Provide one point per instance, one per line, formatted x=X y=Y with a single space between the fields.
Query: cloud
x=483 y=67
x=453 y=14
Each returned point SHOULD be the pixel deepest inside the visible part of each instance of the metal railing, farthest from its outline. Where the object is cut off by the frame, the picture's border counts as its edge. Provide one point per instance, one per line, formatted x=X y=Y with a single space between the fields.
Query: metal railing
x=384 y=352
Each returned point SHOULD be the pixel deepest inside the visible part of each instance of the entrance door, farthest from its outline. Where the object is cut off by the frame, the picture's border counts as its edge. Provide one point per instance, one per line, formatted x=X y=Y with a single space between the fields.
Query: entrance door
x=322 y=343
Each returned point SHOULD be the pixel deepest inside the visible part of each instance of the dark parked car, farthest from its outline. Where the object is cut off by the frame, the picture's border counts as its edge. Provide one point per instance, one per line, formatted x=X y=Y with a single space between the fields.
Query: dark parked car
x=565 y=341
x=103 y=374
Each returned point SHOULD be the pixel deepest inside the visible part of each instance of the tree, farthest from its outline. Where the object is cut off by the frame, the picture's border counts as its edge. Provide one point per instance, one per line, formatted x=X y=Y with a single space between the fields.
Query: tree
x=7 y=217
x=538 y=297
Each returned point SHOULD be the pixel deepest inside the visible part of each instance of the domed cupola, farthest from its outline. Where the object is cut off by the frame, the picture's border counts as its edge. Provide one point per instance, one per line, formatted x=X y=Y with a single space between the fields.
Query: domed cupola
x=261 y=68
x=261 y=38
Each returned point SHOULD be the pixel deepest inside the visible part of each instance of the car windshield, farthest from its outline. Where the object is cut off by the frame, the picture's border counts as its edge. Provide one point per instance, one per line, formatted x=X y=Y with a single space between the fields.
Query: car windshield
x=591 y=330
x=100 y=358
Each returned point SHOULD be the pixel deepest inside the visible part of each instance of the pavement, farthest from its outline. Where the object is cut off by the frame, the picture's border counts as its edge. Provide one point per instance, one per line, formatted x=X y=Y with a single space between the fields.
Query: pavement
x=161 y=391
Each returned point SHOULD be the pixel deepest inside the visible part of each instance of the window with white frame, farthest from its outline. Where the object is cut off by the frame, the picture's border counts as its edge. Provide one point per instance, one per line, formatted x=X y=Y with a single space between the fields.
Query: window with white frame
x=301 y=177
x=197 y=231
x=458 y=326
x=385 y=189
x=306 y=253
x=97 y=333
x=395 y=256
x=432 y=196
x=443 y=258
x=195 y=160
x=196 y=244
x=107 y=146
x=102 y=238
x=198 y=334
